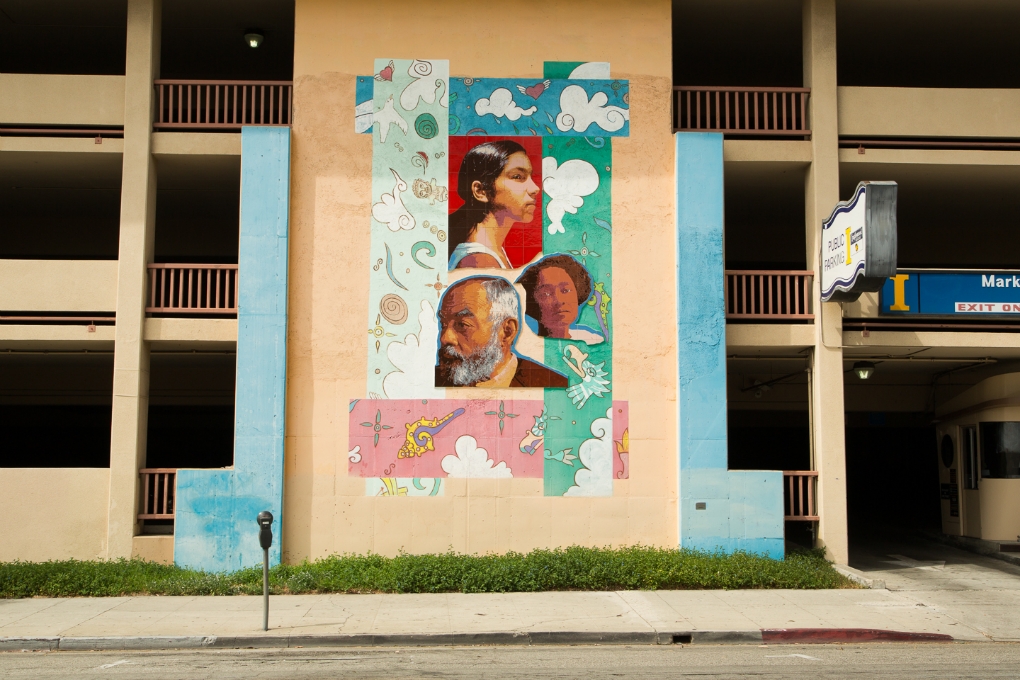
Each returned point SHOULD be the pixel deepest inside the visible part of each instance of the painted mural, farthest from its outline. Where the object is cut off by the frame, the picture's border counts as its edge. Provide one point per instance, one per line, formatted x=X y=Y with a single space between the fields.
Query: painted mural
x=491 y=266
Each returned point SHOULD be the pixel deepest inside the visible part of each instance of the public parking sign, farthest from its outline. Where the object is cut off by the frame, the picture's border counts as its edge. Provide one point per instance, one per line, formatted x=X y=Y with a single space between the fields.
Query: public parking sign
x=859 y=243
x=956 y=294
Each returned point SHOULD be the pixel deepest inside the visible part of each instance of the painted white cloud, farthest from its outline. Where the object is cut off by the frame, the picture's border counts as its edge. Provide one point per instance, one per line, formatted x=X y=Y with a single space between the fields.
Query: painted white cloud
x=429 y=77
x=591 y=70
x=354 y=455
x=363 y=116
x=501 y=103
x=390 y=209
x=387 y=116
x=565 y=187
x=415 y=359
x=473 y=462
x=577 y=112
x=596 y=455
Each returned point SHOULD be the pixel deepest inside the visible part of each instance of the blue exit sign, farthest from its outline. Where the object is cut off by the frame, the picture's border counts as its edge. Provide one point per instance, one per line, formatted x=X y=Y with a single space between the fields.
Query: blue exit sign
x=959 y=294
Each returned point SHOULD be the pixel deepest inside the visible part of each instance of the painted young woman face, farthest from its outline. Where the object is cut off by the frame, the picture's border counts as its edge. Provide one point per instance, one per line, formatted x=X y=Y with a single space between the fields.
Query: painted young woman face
x=556 y=296
x=516 y=192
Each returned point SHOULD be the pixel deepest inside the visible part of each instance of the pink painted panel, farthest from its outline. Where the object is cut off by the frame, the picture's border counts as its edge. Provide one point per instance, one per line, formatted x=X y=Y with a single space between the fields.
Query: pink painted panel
x=621 y=440
x=444 y=438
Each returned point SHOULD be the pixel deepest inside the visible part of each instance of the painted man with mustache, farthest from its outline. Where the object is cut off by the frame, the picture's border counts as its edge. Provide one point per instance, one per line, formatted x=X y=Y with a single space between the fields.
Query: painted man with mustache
x=479 y=319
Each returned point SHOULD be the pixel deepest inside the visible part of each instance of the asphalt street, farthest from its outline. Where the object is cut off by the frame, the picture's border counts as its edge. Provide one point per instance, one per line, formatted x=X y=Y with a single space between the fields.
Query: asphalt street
x=946 y=660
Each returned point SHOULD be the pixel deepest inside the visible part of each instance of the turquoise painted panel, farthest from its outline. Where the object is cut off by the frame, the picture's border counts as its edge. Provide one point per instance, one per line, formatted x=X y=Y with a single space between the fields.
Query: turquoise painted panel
x=739 y=510
x=766 y=547
x=540 y=107
x=701 y=318
x=215 y=527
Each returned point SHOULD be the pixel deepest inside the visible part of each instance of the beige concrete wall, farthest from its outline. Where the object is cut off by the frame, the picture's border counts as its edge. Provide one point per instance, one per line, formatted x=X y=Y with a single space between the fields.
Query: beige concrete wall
x=61 y=144
x=793 y=152
x=325 y=511
x=865 y=307
x=928 y=112
x=61 y=337
x=53 y=513
x=137 y=227
x=153 y=549
x=58 y=285
x=759 y=336
x=936 y=157
x=169 y=332
x=33 y=99
x=196 y=143
x=821 y=190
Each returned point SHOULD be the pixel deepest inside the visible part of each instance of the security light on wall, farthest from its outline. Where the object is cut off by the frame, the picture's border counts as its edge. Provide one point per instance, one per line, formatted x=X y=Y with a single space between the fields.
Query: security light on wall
x=254 y=37
x=864 y=369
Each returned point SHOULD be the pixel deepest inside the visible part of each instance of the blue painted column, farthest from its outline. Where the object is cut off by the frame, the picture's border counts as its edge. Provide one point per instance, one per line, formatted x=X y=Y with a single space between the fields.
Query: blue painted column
x=719 y=509
x=215 y=525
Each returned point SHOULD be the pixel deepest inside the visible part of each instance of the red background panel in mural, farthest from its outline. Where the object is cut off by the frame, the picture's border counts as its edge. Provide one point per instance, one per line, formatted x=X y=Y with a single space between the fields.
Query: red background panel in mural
x=524 y=241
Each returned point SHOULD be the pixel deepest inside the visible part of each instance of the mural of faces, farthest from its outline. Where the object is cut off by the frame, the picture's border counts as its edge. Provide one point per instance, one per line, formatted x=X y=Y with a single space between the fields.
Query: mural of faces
x=500 y=210
x=479 y=322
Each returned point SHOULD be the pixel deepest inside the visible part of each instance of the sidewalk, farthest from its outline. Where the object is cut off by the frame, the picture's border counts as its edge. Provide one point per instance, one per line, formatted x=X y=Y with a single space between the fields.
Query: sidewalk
x=919 y=587
x=629 y=617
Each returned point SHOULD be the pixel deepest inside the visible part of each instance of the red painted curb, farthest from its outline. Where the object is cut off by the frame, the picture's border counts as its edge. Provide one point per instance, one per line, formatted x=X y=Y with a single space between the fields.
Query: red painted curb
x=829 y=635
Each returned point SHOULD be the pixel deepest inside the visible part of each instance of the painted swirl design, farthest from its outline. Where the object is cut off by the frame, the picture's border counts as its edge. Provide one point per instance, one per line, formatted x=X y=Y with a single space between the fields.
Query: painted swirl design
x=426 y=126
x=393 y=308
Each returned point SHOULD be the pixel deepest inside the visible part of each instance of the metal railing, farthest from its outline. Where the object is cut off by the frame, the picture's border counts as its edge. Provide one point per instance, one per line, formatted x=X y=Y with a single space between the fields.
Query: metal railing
x=192 y=289
x=222 y=104
x=766 y=111
x=799 y=495
x=769 y=294
x=159 y=489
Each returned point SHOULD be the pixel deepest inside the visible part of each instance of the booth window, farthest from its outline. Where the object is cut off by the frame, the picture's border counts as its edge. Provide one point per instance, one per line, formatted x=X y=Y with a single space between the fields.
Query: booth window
x=1000 y=450
x=970 y=458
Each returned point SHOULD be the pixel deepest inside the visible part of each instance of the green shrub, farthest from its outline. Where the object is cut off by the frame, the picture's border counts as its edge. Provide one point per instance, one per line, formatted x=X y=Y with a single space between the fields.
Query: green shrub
x=575 y=568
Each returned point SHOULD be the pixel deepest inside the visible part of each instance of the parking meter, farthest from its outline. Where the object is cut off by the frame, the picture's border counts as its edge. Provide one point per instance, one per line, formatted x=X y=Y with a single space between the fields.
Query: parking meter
x=265 y=521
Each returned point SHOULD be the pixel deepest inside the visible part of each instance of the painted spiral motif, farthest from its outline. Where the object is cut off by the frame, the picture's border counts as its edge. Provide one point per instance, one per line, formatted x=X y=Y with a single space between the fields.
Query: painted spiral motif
x=454 y=124
x=426 y=126
x=421 y=68
x=393 y=308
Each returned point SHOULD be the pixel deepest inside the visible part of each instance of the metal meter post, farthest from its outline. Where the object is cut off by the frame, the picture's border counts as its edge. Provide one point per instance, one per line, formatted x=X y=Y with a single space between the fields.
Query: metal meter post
x=265 y=520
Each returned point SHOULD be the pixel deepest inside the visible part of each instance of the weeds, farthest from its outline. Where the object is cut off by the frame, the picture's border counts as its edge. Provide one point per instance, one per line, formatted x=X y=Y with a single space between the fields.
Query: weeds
x=575 y=568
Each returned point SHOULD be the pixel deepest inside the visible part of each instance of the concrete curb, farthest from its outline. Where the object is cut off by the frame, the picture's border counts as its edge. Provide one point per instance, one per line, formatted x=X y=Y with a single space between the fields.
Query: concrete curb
x=858 y=577
x=701 y=637
x=846 y=635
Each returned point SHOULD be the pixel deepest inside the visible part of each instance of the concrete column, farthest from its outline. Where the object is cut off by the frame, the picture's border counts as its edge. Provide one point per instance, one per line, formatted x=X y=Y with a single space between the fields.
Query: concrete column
x=137 y=222
x=822 y=194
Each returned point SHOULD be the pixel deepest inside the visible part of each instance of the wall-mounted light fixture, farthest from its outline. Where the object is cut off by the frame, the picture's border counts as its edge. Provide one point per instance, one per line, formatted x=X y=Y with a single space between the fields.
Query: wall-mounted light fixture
x=864 y=369
x=254 y=37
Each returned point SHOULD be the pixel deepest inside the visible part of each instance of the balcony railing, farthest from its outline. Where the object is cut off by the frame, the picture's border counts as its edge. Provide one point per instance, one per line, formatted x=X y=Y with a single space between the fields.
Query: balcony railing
x=222 y=104
x=192 y=289
x=767 y=294
x=159 y=489
x=800 y=494
x=765 y=111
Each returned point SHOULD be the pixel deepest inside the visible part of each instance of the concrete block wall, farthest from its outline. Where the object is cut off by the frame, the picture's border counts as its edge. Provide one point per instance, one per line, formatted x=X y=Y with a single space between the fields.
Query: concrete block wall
x=719 y=509
x=215 y=526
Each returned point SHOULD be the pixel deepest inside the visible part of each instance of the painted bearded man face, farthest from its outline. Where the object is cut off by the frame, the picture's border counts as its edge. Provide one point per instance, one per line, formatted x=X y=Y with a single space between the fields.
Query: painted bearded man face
x=476 y=333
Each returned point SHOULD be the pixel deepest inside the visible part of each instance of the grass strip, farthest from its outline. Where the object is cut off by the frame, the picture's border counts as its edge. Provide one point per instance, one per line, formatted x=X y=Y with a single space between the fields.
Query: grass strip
x=575 y=568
